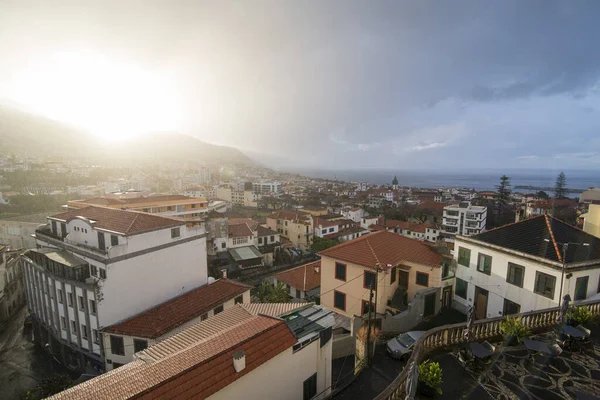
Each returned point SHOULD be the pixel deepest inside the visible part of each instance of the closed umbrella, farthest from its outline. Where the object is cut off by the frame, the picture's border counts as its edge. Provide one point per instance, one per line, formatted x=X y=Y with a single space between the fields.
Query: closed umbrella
x=563 y=309
x=470 y=319
x=412 y=382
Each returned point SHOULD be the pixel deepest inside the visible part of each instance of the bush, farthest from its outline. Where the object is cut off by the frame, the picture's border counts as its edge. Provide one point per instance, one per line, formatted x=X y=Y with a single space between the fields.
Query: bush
x=514 y=327
x=430 y=373
x=580 y=315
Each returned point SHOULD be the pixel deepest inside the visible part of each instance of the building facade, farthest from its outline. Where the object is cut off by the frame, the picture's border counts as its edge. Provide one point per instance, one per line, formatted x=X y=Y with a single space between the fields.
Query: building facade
x=296 y=227
x=12 y=293
x=464 y=219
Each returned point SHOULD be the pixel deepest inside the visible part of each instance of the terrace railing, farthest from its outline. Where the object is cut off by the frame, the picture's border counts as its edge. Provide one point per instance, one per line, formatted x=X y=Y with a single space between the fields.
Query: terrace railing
x=451 y=335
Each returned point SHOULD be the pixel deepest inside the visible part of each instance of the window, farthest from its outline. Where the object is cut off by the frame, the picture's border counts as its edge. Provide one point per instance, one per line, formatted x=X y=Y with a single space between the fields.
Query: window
x=60 y=296
x=54 y=230
x=393 y=275
x=581 y=286
x=223 y=245
x=139 y=345
x=324 y=231
x=366 y=306
x=84 y=332
x=259 y=240
x=461 y=288
x=288 y=289
x=340 y=271
x=63 y=323
x=193 y=205
x=81 y=303
x=370 y=280
x=464 y=256
x=511 y=308
x=310 y=387
x=101 y=243
x=339 y=300
x=94 y=270
x=114 y=240
x=298 y=294
x=285 y=223
x=96 y=336
x=515 y=274
x=116 y=345
x=70 y=299
x=239 y=299
x=484 y=264
x=92 y=306
x=169 y=208
x=73 y=328
x=175 y=233
x=102 y=273
x=272 y=238
x=204 y=317
x=218 y=310
x=422 y=279
x=544 y=284
x=331 y=230
x=286 y=232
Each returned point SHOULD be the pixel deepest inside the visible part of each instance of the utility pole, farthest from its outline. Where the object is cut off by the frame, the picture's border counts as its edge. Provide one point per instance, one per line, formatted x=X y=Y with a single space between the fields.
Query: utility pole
x=368 y=355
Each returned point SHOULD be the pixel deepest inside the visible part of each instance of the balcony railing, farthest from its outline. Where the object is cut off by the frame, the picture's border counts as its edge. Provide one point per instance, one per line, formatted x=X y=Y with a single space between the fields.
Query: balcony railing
x=451 y=335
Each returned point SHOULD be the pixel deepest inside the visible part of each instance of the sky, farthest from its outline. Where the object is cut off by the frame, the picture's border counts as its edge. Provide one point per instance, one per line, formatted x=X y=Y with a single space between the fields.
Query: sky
x=328 y=84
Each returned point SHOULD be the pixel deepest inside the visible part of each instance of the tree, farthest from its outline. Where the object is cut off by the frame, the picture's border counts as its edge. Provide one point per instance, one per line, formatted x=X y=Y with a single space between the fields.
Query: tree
x=504 y=190
x=542 y=195
x=48 y=387
x=395 y=181
x=320 y=244
x=269 y=293
x=560 y=187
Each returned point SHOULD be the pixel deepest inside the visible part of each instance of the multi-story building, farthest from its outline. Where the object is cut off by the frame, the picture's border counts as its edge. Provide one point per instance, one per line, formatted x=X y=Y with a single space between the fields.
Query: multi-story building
x=12 y=295
x=266 y=187
x=246 y=198
x=591 y=222
x=355 y=214
x=590 y=196
x=250 y=351
x=413 y=230
x=519 y=267
x=297 y=227
x=96 y=266
x=464 y=219
x=170 y=205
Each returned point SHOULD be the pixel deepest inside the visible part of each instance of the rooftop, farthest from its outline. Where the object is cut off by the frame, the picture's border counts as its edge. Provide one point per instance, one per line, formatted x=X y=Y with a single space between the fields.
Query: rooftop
x=529 y=236
x=384 y=249
x=125 y=222
x=305 y=277
x=290 y=216
x=167 y=316
x=239 y=230
x=132 y=201
x=262 y=231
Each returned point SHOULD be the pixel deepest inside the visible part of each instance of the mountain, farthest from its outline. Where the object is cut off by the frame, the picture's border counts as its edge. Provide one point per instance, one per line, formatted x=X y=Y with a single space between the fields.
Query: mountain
x=25 y=134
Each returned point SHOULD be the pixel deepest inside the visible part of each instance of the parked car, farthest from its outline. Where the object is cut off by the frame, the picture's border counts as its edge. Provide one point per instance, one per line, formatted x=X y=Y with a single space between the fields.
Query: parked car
x=402 y=345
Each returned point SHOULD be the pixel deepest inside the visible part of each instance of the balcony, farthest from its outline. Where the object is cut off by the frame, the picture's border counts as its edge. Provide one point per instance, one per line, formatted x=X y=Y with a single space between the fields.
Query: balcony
x=511 y=372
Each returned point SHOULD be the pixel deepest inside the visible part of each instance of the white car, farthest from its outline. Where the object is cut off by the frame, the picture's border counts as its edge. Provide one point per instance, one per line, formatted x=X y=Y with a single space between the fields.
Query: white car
x=402 y=345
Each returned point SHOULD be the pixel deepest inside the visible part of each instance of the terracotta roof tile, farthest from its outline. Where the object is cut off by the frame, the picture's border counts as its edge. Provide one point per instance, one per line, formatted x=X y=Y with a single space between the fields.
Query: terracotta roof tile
x=239 y=230
x=125 y=222
x=272 y=309
x=290 y=216
x=262 y=231
x=251 y=223
x=167 y=316
x=384 y=248
x=305 y=277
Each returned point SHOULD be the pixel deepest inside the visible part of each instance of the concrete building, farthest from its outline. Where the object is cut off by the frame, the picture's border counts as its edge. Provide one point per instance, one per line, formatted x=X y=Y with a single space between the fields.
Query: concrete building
x=266 y=188
x=519 y=267
x=123 y=339
x=464 y=219
x=17 y=232
x=383 y=260
x=590 y=196
x=96 y=266
x=591 y=222
x=354 y=214
x=303 y=282
x=242 y=352
x=12 y=293
x=294 y=226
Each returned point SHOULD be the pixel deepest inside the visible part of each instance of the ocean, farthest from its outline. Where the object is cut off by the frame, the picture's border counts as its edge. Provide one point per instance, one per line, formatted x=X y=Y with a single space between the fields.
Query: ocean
x=481 y=179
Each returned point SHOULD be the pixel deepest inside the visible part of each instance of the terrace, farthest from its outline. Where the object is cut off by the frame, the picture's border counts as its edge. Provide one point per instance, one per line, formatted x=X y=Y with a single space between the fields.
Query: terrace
x=511 y=372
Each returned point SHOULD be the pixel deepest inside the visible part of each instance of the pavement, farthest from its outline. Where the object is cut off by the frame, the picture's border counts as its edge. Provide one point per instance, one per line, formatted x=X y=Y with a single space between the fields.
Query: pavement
x=22 y=365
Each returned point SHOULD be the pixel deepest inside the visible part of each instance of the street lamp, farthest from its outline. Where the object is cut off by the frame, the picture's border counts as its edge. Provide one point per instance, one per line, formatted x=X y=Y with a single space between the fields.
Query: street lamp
x=565 y=246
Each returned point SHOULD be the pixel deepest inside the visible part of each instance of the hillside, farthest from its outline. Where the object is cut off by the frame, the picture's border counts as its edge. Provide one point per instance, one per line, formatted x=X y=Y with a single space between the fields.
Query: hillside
x=24 y=134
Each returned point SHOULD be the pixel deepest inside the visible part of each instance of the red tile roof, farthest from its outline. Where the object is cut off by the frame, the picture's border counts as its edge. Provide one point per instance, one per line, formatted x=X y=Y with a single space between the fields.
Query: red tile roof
x=262 y=231
x=384 y=248
x=240 y=230
x=251 y=223
x=195 y=363
x=305 y=277
x=167 y=316
x=290 y=216
x=125 y=222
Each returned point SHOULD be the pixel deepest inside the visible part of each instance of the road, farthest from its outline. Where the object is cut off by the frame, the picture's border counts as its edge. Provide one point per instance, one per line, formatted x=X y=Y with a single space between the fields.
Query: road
x=22 y=365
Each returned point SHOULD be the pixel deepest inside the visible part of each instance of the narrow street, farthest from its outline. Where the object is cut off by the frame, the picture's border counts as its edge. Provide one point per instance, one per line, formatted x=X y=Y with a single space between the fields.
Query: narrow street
x=22 y=366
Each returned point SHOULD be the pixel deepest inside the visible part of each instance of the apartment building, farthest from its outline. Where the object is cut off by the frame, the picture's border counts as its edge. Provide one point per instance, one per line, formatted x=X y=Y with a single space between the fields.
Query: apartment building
x=125 y=338
x=355 y=214
x=464 y=219
x=266 y=188
x=96 y=266
x=519 y=267
x=169 y=205
x=336 y=229
x=12 y=294
x=294 y=226
x=250 y=351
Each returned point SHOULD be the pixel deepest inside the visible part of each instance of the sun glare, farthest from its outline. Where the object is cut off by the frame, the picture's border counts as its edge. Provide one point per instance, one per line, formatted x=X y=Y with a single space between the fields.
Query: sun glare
x=110 y=100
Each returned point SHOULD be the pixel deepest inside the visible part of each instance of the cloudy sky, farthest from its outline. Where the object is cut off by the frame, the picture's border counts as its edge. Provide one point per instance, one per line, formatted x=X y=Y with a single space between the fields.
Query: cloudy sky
x=329 y=84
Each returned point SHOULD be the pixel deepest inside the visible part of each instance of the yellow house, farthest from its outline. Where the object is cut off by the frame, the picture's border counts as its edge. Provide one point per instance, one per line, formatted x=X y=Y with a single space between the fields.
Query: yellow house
x=591 y=222
x=382 y=260
x=296 y=227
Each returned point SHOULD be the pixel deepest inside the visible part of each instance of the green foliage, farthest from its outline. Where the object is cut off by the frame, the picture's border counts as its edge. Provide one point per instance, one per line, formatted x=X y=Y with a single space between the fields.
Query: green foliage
x=504 y=190
x=269 y=293
x=430 y=373
x=514 y=326
x=580 y=315
x=560 y=187
x=542 y=195
x=48 y=387
x=31 y=204
x=320 y=244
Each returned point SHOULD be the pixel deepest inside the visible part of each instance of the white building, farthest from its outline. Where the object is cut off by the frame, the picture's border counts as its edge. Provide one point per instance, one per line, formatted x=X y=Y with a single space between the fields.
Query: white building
x=355 y=214
x=96 y=266
x=12 y=295
x=518 y=267
x=266 y=187
x=244 y=352
x=464 y=219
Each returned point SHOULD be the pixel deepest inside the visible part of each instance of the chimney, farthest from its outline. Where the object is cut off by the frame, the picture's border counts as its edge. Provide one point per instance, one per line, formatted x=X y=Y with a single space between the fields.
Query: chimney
x=224 y=273
x=239 y=361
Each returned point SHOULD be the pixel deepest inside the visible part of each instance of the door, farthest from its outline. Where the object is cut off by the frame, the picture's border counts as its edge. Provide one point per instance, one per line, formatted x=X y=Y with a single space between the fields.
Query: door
x=447 y=297
x=481 y=300
x=429 y=305
x=403 y=279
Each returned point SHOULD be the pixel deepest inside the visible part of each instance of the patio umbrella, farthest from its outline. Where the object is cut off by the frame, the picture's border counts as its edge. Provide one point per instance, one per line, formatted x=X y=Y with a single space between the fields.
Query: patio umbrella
x=470 y=319
x=412 y=382
x=564 y=308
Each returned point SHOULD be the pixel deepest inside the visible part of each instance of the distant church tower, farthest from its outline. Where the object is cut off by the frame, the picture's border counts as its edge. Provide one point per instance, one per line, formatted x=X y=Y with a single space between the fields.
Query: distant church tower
x=395 y=183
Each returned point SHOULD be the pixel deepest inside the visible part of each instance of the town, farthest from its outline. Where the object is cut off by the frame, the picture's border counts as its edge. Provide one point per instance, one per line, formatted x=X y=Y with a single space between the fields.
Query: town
x=192 y=272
